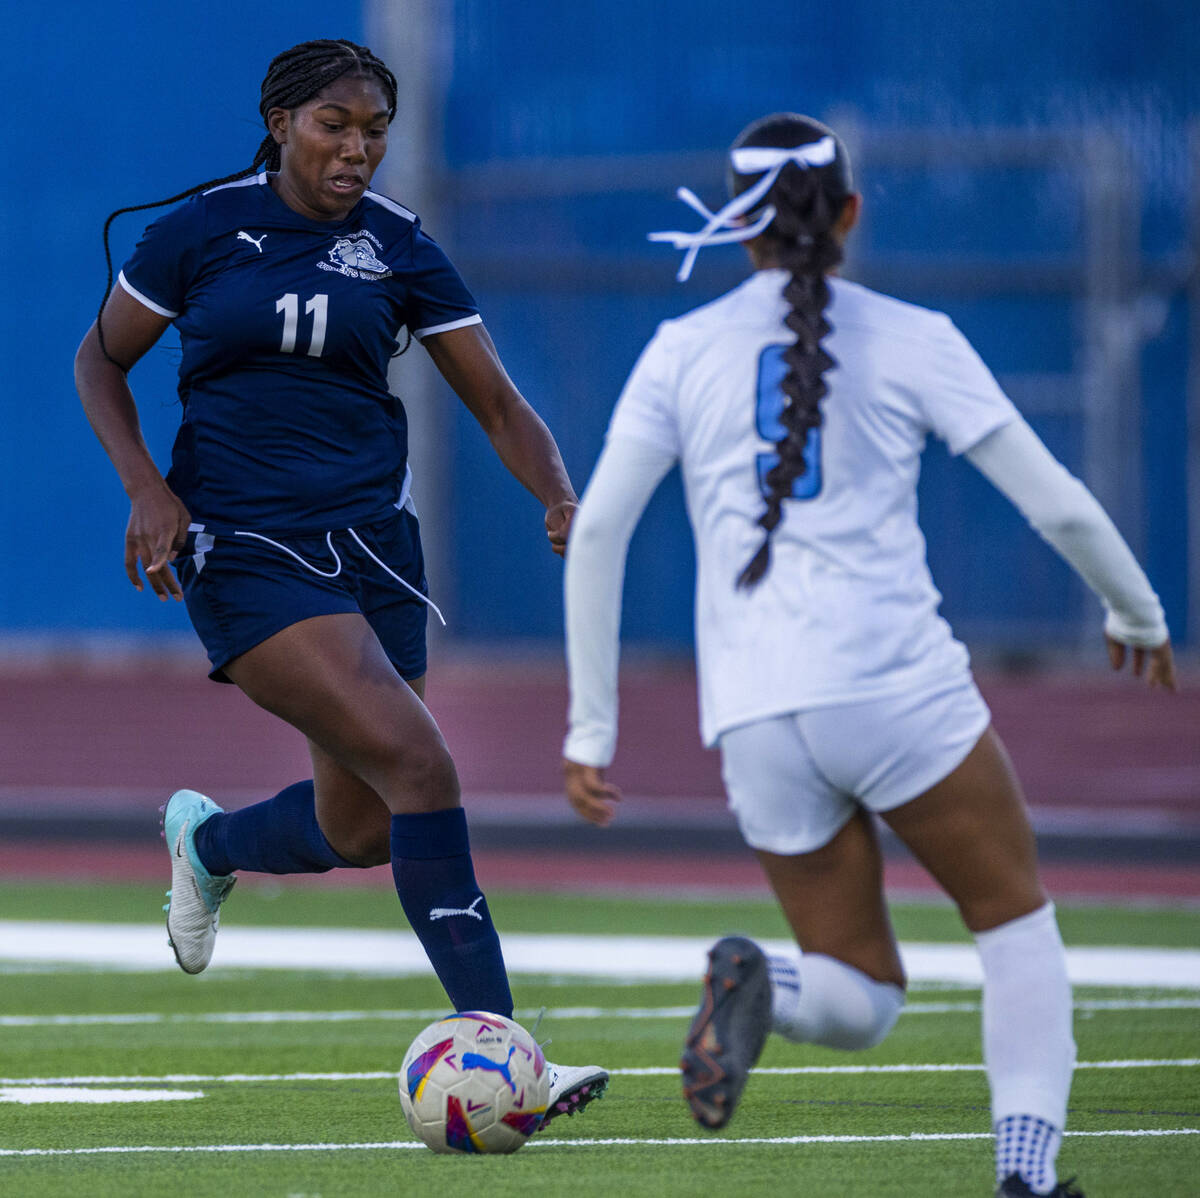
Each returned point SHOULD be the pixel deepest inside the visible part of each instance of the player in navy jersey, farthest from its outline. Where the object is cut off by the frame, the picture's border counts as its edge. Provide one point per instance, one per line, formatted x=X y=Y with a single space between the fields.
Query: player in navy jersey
x=797 y=406
x=285 y=521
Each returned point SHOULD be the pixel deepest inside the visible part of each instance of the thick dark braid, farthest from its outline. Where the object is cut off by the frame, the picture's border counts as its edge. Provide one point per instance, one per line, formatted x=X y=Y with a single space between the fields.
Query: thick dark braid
x=292 y=79
x=801 y=241
x=806 y=249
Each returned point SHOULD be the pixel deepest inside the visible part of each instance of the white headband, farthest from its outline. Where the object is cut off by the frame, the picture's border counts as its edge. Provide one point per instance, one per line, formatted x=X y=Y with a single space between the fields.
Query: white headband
x=719 y=227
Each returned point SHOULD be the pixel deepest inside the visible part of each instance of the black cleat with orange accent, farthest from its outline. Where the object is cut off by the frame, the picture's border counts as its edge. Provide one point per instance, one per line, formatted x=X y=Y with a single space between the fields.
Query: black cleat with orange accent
x=728 y=1031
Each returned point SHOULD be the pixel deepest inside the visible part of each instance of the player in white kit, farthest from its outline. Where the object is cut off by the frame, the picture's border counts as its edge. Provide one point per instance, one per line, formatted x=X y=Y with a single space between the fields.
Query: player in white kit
x=797 y=406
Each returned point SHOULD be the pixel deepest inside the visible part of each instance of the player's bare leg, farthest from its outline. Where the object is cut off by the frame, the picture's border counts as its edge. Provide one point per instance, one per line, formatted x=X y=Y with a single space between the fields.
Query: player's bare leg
x=833 y=900
x=847 y=988
x=351 y=814
x=972 y=832
x=345 y=802
x=378 y=758
x=330 y=678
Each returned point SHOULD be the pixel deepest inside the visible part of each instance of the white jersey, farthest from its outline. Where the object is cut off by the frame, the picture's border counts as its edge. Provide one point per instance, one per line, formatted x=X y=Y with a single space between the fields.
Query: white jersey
x=848 y=610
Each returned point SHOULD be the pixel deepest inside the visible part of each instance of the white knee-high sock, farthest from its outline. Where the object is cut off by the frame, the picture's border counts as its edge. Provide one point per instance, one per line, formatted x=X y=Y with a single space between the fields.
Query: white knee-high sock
x=821 y=1000
x=1028 y=1048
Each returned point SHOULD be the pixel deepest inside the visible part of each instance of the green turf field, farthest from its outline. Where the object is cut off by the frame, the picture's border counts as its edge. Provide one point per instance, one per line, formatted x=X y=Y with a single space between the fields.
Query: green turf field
x=278 y=1060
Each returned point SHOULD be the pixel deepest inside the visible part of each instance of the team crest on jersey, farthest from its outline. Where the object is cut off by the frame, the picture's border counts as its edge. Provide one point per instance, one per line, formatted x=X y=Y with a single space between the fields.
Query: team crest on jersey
x=354 y=256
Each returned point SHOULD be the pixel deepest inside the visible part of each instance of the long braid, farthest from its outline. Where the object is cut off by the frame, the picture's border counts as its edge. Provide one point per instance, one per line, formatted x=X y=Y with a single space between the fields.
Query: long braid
x=292 y=79
x=801 y=241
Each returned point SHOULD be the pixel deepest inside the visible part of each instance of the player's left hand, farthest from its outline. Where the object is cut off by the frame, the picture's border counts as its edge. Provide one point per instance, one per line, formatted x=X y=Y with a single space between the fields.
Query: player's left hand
x=558 y=524
x=1158 y=664
x=593 y=798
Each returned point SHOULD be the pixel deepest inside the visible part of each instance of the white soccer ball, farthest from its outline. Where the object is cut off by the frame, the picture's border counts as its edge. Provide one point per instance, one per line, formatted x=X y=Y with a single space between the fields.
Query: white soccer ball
x=474 y=1082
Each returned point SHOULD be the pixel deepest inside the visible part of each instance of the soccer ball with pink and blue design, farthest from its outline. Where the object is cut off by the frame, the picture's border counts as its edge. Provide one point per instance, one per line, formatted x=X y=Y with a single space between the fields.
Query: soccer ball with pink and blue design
x=474 y=1082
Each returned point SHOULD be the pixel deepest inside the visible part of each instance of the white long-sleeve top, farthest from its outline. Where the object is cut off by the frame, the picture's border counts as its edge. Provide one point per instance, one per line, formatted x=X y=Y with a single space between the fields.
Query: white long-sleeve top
x=848 y=610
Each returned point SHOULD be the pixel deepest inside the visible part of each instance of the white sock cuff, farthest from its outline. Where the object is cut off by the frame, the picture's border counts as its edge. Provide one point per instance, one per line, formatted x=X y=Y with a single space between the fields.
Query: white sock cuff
x=1035 y=922
x=837 y=1005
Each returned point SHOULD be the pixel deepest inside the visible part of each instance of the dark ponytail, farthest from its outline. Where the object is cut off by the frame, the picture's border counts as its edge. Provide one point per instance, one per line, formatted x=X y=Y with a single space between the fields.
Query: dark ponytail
x=292 y=79
x=800 y=240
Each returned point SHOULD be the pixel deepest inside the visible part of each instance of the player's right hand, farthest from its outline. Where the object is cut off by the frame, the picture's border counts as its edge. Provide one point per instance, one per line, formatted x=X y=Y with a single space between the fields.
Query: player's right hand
x=593 y=798
x=1157 y=664
x=157 y=530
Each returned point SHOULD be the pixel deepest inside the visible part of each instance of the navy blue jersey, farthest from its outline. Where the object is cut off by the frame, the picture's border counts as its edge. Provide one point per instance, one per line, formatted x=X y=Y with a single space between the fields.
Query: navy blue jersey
x=287 y=326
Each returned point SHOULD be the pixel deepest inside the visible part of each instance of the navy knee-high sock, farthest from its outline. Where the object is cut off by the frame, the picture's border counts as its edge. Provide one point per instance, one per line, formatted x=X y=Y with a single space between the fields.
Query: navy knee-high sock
x=278 y=836
x=435 y=879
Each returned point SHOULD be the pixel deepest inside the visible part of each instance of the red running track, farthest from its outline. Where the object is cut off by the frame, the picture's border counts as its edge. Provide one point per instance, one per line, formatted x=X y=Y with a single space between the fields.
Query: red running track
x=1092 y=740
x=1095 y=746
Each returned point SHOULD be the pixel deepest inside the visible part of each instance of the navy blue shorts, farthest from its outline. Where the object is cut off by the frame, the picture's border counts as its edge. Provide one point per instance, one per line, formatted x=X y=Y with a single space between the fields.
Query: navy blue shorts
x=243 y=587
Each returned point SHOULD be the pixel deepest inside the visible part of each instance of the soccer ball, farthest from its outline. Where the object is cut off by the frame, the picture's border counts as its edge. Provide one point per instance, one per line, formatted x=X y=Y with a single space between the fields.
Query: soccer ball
x=474 y=1082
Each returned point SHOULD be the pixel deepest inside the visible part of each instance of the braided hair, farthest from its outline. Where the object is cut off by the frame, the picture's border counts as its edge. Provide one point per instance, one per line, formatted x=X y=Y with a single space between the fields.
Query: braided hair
x=293 y=78
x=800 y=240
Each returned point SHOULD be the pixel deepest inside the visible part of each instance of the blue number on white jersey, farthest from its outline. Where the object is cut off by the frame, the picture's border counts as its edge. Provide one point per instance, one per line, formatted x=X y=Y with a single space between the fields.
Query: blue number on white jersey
x=768 y=410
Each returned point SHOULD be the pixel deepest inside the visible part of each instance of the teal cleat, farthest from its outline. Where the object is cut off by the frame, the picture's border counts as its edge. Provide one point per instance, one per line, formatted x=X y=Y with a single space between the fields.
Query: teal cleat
x=196 y=896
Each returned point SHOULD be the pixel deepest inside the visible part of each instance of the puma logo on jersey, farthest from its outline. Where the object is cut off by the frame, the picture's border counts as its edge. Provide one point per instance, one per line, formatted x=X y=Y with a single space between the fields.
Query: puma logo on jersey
x=243 y=236
x=442 y=912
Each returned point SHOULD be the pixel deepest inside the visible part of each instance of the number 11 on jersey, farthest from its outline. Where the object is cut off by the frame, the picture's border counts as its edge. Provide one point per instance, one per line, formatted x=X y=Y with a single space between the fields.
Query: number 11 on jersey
x=317 y=308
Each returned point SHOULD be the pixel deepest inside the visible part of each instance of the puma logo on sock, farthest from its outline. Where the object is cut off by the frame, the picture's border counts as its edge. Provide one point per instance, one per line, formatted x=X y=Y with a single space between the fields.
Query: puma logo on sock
x=442 y=912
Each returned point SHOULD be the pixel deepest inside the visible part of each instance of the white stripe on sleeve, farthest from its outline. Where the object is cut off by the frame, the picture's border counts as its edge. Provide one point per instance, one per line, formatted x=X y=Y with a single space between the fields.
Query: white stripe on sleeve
x=145 y=299
x=421 y=334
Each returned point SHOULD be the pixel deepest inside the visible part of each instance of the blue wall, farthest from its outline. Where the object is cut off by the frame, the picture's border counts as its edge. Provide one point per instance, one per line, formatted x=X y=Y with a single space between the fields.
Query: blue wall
x=123 y=105
x=609 y=79
x=113 y=105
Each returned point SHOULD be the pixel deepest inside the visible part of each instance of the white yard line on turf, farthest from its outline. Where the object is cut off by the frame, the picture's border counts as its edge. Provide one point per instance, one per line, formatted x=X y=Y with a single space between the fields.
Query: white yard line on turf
x=268 y=1017
x=637 y=958
x=664 y=1142
x=26 y=1095
x=338 y=1016
x=648 y=1071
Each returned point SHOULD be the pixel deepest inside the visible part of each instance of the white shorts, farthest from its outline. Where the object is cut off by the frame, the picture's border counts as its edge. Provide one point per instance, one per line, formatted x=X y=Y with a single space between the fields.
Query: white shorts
x=794 y=780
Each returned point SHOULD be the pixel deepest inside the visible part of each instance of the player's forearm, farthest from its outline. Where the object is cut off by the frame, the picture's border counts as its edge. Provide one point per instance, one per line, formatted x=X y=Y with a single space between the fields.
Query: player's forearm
x=595 y=577
x=525 y=445
x=1105 y=562
x=111 y=411
x=625 y=477
x=468 y=361
x=1070 y=519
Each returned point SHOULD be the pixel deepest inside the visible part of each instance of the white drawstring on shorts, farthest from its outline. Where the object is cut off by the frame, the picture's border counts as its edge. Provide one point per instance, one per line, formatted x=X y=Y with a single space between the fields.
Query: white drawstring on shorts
x=389 y=571
x=334 y=573
x=303 y=561
x=719 y=227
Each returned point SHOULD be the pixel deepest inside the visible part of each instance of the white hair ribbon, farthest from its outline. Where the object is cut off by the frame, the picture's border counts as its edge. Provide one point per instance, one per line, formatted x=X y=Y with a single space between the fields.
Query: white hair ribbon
x=749 y=160
x=719 y=228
